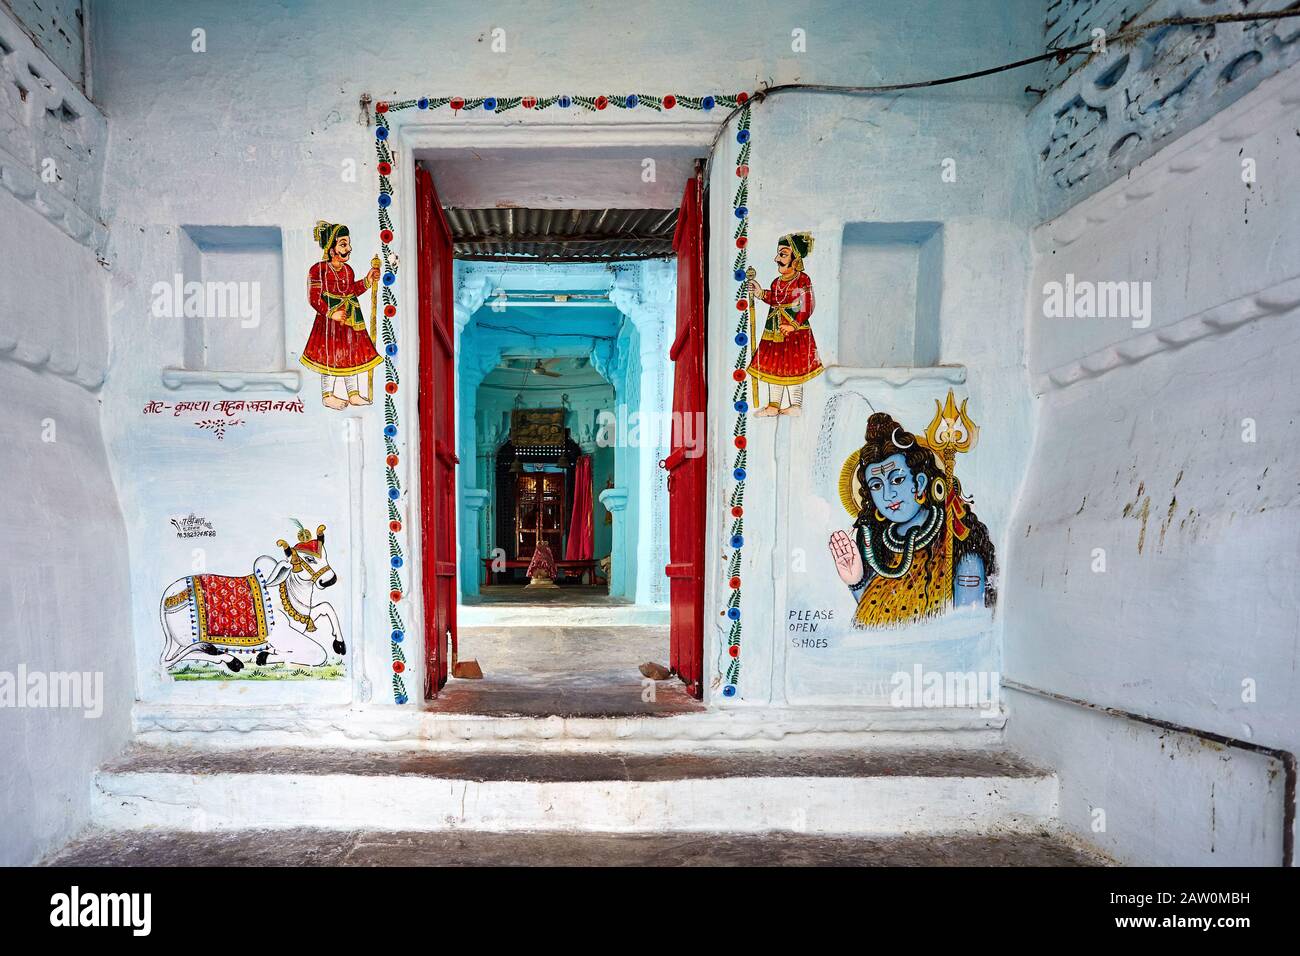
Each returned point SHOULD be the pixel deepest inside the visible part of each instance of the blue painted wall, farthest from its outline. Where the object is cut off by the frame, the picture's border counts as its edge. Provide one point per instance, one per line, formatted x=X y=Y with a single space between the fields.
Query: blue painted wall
x=617 y=414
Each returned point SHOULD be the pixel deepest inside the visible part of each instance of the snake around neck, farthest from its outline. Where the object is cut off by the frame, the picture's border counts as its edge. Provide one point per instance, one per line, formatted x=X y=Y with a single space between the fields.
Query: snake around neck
x=920 y=536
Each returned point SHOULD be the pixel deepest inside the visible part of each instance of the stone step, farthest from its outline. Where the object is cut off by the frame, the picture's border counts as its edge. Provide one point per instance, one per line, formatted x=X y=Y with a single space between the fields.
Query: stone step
x=885 y=792
x=472 y=848
x=508 y=615
x=550 y=629
x=656 y=731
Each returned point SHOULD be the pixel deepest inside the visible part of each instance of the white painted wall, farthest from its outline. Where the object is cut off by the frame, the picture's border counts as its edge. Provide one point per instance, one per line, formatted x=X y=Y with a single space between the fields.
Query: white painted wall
x=261 y=129
x=552 y=179
x=1140 y=453
x=269 y=128
x=64 y=597
x=57 y=26
x=1106 y=111
x=876 y=161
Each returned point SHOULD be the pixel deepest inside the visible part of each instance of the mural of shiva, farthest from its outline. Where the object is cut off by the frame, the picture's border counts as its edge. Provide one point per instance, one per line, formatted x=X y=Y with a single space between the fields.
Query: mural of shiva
x=916 y=548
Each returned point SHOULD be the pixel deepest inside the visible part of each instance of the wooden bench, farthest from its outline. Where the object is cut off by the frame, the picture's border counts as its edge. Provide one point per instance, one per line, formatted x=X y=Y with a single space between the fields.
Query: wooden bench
x=588 y=568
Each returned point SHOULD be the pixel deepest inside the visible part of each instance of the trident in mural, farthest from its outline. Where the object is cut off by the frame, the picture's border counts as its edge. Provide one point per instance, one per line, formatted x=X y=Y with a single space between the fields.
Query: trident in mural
x=949 y=432
x=338 y=346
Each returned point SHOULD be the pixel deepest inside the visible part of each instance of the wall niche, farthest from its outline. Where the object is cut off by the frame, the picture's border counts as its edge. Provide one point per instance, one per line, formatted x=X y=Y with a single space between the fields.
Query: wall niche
x=891 y=284
x=233 y=299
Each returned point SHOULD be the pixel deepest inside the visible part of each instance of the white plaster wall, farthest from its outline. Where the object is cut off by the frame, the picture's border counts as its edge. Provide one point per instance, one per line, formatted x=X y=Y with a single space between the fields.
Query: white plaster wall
x=57 y=27
x=1140 y=452
x=876 y=161
x=261 y=129
x=1106 y=111
x=64 y=597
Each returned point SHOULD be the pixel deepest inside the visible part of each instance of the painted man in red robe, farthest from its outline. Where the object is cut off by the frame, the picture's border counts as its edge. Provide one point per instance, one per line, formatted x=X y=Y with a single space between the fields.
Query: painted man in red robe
x=339 y=346
x=786 y=355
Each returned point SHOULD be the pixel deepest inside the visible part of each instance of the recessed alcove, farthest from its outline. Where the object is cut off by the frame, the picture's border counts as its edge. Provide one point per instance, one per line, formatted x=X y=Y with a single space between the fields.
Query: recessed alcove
x=229 y=295
x=891 y=283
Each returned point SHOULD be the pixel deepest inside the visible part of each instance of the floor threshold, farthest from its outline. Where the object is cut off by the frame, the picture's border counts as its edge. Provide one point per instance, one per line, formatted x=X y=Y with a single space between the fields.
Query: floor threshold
x=310 y=847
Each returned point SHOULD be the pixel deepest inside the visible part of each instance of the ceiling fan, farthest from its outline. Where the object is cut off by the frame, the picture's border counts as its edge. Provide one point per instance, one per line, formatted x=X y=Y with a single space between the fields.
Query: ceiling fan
x=540 y=367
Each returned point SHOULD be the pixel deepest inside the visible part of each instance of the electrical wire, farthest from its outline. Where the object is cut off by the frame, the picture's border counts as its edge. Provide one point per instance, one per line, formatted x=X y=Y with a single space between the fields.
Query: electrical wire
x=1058 y=53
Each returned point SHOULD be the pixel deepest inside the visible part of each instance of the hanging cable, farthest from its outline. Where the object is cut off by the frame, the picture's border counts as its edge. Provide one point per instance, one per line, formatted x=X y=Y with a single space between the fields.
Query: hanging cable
x=1057 y=53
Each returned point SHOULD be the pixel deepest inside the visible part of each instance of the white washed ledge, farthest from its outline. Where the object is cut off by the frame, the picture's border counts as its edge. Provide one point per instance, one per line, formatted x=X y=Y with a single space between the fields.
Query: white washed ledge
x=1276 y=300
x=177 y=378
x=17 y=178
x=34 y=132
x=37 y=356
x=896 y=374
x=1275 y=99
x=387 y=727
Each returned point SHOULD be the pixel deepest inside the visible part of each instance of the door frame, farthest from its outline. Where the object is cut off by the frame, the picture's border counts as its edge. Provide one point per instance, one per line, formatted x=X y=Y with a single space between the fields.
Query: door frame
x=410 y=133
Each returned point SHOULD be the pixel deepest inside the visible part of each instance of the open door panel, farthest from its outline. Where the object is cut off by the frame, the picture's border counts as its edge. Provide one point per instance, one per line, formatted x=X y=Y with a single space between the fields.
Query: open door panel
x=437 y=411
x=686 y=463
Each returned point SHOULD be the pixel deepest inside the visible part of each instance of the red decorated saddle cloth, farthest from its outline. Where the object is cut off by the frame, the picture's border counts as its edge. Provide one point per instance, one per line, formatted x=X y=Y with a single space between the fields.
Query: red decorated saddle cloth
x=230 y=611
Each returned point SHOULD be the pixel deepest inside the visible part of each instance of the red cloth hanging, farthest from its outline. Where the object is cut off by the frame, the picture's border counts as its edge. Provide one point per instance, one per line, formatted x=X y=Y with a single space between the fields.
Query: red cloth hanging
x=581 y=545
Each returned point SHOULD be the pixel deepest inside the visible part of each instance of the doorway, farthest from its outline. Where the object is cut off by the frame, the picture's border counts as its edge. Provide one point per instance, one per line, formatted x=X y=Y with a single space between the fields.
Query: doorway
x=565 y=333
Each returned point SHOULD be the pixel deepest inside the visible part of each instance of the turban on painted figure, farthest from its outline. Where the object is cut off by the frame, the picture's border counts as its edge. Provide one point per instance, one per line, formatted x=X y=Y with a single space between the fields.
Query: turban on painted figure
x=801 y=243
x=916 y=548
x=785 y=356
x=327 y=233
x=339 y=346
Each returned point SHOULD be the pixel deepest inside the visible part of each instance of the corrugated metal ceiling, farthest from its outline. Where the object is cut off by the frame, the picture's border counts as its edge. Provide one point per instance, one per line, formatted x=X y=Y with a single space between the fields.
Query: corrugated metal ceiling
x=562 y=234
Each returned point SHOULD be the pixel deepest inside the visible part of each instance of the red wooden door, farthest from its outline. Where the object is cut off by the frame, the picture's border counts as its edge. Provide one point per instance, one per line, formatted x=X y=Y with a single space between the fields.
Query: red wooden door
x=686 y=462
x=437 y=408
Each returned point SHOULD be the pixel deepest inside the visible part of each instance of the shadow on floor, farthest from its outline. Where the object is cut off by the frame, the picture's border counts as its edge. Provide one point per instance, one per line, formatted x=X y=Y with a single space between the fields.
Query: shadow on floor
x=468 y=848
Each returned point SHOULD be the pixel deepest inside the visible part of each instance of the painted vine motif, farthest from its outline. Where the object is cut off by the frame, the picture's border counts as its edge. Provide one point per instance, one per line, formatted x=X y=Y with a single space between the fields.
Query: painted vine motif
x=730 y=679
x=388 y=335
x=916 y=547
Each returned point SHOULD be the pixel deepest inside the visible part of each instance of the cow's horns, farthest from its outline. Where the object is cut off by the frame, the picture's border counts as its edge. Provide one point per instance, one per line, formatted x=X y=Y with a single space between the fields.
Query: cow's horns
x=320 y=531
x=285 y=545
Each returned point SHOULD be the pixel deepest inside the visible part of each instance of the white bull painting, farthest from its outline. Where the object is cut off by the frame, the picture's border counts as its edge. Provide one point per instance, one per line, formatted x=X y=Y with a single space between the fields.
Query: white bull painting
x=275 y=614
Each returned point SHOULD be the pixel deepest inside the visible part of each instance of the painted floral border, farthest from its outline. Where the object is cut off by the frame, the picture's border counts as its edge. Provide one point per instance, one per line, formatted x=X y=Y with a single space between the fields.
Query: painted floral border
x=393 y=440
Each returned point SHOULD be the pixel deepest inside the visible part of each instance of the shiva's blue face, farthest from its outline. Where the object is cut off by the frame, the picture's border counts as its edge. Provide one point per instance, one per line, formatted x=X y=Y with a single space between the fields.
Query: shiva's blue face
x=894 y=487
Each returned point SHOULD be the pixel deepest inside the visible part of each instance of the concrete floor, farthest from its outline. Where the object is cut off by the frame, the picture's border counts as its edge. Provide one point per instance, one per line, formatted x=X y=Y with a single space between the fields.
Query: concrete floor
x=542 y=671
x=466 y=848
